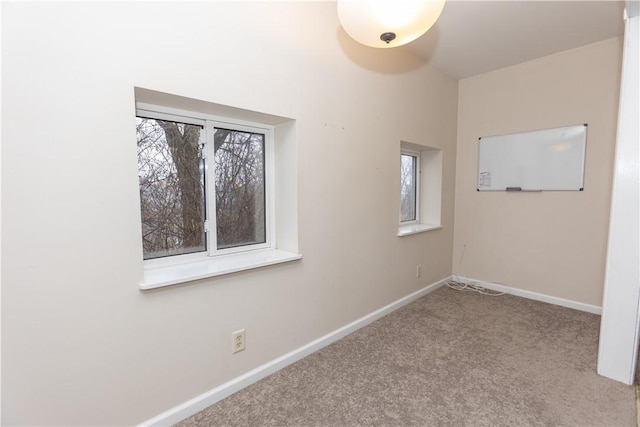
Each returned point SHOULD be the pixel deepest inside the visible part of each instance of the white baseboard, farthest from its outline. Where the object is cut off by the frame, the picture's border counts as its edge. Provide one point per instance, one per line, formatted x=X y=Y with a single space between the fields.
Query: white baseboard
x=532 y=295
x=198 y=403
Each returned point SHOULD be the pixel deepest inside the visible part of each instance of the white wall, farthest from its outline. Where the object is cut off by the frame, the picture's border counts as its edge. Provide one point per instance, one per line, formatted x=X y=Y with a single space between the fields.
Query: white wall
x=551 y=243
x=82 y=345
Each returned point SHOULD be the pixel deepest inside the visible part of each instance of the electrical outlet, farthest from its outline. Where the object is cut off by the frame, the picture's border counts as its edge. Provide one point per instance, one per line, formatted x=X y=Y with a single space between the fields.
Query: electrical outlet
x=237 y=341
x=419 y=270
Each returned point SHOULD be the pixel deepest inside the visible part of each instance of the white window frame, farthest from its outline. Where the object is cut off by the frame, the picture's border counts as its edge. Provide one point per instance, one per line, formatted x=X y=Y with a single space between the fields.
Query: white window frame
x=182 y=268
x=416 y=177
x=428 y=189
x=269 y=178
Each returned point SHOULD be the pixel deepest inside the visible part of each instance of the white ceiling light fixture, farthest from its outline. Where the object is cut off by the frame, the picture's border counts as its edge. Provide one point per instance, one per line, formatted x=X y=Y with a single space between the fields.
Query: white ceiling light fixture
x=388 y=23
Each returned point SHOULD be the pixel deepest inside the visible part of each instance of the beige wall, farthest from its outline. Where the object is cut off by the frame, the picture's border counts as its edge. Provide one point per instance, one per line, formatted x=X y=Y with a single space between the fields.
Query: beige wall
x=553 y=243
x=81 y=344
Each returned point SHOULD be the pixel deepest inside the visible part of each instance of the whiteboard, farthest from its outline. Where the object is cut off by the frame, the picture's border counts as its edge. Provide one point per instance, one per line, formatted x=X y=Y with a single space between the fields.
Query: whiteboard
x=549 y=159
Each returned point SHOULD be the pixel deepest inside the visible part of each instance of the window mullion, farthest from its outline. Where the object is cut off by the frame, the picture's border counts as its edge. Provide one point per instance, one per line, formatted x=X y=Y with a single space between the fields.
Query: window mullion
x=209 y=149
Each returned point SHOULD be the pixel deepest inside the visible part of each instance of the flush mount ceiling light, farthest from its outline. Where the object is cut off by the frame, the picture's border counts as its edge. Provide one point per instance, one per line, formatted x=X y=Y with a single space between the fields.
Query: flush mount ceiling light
x=388 y=23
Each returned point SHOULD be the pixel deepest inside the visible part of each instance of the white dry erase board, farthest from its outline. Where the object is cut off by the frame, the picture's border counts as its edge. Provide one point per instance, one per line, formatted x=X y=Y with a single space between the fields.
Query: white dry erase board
x=550 y=159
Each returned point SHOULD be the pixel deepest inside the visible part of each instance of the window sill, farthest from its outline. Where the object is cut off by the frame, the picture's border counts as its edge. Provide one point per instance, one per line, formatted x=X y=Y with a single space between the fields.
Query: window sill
x=405 y=230
x=210 y=267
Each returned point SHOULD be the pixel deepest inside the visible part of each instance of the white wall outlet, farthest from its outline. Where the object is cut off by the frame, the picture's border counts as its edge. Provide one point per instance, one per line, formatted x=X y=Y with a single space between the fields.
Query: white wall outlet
x=419 y=270
x=237 y=341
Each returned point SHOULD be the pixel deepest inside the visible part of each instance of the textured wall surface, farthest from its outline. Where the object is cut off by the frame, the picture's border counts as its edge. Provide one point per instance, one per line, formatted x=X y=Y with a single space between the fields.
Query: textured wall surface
x=82 y=345
x=553 y=243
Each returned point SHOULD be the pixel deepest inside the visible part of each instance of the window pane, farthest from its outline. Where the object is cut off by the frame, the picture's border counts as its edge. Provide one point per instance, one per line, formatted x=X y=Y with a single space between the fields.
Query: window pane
x=408 y=175
x=240 y=188
x=171 y=179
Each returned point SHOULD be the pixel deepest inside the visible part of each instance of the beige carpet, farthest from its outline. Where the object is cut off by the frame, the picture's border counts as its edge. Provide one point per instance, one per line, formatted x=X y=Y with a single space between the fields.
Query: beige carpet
x=449 y=359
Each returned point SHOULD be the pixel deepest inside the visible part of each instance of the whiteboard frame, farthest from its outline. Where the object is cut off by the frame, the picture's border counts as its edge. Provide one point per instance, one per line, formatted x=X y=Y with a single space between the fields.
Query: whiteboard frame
x=570 y=142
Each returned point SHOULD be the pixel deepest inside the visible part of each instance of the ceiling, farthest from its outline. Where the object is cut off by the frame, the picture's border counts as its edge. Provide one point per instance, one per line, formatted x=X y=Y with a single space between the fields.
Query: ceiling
x=474 y=37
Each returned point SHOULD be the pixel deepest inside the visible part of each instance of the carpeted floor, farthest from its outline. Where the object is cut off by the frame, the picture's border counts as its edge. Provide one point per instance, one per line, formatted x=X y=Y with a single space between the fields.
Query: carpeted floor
x=450 y=358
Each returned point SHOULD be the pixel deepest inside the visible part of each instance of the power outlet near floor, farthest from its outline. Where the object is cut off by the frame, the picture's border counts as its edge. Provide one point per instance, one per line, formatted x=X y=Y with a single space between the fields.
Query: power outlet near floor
x=419 y=270
x=237 y=341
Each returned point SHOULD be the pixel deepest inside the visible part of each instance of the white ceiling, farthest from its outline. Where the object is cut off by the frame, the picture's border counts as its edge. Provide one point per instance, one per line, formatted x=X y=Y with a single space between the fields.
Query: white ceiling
x=473 y=37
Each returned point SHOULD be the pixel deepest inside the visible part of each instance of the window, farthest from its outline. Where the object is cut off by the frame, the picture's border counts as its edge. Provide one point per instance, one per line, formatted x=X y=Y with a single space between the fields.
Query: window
x=420 y=188
x=207 y=195
x=171 y=176
x=240 y=183
x=409 y=186
x=176 y=177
